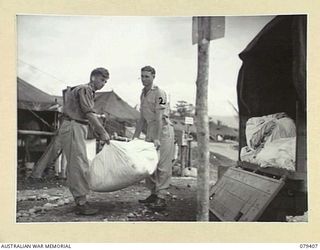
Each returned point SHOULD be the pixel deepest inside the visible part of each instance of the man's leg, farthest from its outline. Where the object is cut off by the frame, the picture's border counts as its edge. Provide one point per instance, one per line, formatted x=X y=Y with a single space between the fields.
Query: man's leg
x=163 y=173
x=164 y=169
x=74 y=147
x=49 y=156
x=150 y=180
x=151 y=185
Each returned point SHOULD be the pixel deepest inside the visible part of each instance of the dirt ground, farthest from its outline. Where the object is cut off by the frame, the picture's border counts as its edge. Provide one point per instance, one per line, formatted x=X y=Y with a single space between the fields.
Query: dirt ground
x=55 y=204
x=51 y=201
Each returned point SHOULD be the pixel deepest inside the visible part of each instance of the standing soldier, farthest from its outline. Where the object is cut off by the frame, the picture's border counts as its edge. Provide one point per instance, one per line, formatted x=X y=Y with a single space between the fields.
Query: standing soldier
x=78 y=111
x=154 y=111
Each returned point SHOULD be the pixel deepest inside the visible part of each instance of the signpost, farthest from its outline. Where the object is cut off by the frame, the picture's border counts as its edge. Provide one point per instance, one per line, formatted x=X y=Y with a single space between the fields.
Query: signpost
x=204 y=30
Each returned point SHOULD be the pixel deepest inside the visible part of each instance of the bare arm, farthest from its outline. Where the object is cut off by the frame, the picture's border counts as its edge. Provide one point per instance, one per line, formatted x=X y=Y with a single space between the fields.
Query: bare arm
x=98 y=128
x=140 y=125
x=86 y=103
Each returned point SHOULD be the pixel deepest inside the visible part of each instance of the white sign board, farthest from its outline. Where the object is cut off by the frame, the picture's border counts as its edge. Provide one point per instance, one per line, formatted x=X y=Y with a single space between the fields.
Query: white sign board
x=188 y=120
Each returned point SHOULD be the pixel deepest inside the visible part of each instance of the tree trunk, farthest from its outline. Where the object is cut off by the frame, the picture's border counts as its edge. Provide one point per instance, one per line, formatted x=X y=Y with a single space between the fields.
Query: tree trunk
x=203 y=122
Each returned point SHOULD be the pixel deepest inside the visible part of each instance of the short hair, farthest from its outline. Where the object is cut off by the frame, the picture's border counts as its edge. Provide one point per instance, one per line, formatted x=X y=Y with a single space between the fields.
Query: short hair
x=100 y=71
x=149 y=69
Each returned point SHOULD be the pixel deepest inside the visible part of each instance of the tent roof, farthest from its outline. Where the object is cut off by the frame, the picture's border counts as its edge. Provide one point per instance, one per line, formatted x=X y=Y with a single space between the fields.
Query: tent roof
x=111 y=103
x=30 y=97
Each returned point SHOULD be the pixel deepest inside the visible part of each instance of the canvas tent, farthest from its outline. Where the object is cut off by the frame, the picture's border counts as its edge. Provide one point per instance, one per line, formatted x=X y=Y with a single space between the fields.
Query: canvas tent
x=119 y=113
x=37 y=106
x=37 y=120
x=32 y=98
x=110 y=103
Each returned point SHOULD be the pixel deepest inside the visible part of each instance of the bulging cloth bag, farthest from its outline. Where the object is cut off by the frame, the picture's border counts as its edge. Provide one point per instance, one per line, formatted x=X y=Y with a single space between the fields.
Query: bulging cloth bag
x=122 y=164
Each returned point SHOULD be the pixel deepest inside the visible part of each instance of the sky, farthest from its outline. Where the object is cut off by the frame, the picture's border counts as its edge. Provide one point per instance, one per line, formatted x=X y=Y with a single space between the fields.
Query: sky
x=58 y=51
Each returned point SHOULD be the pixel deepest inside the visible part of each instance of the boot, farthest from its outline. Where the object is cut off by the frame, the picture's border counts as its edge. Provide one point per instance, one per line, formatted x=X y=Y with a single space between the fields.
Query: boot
x=151 y=199
x=86 y=209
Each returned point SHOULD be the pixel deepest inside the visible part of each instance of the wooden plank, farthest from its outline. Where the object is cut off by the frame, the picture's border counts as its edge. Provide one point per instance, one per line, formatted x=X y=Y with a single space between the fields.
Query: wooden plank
x=34 y=132
x=273 y=171
x=239 y=170
x=264 y=184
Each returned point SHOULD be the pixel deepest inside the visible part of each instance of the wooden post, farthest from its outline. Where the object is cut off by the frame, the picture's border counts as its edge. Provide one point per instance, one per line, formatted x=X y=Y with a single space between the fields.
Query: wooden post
x=183 y=158
x=188 y=147
x=202 y=121
x=63 y=166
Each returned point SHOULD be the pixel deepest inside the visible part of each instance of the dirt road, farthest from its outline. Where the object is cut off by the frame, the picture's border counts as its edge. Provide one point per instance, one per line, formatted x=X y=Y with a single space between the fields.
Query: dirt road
x=225 y=149
x=56 y=204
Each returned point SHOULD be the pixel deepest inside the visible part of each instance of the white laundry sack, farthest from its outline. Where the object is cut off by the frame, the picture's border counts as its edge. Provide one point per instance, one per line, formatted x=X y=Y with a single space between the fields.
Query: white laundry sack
x=122 y=164
x=279 y=153
x=265 y=129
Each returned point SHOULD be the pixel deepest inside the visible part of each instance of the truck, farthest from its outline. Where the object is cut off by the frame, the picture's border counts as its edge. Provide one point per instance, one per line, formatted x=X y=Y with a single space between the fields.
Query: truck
x=272 y=79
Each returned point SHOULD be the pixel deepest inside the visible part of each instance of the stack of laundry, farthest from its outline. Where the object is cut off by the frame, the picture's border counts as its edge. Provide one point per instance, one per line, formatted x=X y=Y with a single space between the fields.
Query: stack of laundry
x=271 y=141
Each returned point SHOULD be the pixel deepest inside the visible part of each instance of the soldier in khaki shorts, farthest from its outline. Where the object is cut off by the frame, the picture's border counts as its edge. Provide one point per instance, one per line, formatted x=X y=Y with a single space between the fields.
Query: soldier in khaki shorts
x=154 y=111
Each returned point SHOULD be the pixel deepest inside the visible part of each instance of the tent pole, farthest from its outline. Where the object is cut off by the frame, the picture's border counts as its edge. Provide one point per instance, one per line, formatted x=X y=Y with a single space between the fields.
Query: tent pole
x=202 y=121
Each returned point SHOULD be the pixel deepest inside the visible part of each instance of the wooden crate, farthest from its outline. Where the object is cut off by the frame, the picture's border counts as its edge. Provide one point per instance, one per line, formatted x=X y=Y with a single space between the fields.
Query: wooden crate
x=240 y=195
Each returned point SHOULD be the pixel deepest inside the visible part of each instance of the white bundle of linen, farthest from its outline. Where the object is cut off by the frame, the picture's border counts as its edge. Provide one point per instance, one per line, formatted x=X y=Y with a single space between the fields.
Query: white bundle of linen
x=271 y=141
x=122 y=164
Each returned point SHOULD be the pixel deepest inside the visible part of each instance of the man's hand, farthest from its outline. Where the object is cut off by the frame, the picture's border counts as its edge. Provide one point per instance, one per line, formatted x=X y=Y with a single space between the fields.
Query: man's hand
x=157 y=144
x=105 y=138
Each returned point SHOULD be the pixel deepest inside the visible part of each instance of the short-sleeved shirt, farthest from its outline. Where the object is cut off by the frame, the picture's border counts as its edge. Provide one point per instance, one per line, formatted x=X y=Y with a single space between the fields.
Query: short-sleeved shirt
x=151 y=101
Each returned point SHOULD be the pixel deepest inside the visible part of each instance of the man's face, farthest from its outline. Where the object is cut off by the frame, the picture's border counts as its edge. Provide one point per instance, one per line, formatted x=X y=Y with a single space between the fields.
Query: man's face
x=147 y=78
x=99 y=81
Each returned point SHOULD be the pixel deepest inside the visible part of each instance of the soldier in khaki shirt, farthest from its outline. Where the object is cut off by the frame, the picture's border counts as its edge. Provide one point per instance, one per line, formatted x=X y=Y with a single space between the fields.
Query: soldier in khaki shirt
x=78 y=112
x=154 y=111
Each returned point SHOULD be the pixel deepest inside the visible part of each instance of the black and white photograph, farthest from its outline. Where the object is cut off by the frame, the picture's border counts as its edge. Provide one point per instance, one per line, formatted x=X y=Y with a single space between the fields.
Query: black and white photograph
x=161 y=118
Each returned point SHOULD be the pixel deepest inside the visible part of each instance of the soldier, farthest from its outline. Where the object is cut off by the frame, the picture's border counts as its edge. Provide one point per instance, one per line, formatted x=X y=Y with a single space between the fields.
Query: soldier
x=78 y=111
x=154 y=118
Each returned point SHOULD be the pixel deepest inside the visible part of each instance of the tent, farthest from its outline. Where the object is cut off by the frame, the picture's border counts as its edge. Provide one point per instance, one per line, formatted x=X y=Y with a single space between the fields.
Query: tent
x=32 y=98
x=35 y=106
x=37 y=114
x=111 y=104
x=118 y=112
